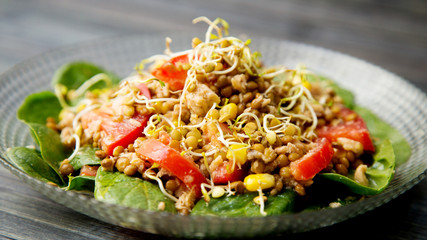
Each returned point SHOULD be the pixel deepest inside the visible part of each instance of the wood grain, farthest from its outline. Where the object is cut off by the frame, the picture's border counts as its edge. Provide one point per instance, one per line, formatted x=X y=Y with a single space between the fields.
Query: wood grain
x=391 y=34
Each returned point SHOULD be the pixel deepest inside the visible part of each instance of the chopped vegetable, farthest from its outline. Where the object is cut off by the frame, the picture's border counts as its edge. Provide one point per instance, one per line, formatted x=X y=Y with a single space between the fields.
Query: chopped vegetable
x=314 y=161
x=354 y=129
x=168 y=158
x=173 y=72
x=226 y=173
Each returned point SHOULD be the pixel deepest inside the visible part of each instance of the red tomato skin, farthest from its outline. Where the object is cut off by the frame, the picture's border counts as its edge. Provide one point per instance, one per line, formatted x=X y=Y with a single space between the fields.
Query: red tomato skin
x=122 y=133
x=314 y=161
x=118 y=133
x=87 y=170
x=222 y=174
x=171 y=73
x=143 y=89
x=355 y=130
x=156 y=152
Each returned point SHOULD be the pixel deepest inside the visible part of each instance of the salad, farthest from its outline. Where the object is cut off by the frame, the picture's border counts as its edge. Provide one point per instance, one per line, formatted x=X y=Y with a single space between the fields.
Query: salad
x=208 y=131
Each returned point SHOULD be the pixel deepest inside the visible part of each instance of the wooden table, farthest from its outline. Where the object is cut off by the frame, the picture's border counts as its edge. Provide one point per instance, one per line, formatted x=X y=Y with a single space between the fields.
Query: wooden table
x=392 y=35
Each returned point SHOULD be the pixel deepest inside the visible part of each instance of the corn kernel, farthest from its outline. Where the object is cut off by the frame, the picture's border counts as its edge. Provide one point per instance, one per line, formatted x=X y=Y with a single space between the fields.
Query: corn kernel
x=238 y=152
x=262 y=180
x=306 y=84
x=228 y=112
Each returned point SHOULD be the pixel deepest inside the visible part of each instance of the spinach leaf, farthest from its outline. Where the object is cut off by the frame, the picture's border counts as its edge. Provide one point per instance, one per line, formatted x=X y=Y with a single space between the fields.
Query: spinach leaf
x=243 y=205
x=73 y=75
x=379 y=174
x=31 y=162
x=120 y=189
x=37 y=107
x=85 y=156
x=346 y=95
x=34 y=111
x=381 y=130
x=50 y=145
x=81 y=183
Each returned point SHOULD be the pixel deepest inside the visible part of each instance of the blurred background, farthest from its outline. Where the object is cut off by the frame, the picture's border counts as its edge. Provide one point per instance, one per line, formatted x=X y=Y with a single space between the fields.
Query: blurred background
x=391 y=34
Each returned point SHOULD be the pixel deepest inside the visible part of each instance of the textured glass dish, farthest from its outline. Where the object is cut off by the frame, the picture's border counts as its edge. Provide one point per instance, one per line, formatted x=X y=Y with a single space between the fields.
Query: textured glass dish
x=387 y=95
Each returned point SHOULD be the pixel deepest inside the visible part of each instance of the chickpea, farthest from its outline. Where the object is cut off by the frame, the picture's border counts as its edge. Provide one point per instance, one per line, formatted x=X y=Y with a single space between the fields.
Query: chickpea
x=195 y=133
x=107 y=164
x=122 y=163
x=101 y=154
x=130 y=170
x=66 y=168
x=191 y=142
x=176 y=134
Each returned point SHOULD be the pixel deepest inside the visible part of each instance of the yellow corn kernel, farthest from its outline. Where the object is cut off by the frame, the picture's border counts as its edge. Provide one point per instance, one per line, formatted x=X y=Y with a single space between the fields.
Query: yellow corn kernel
x=228 y=112
x=306 y=84
x=238 y=152
x=262 y=180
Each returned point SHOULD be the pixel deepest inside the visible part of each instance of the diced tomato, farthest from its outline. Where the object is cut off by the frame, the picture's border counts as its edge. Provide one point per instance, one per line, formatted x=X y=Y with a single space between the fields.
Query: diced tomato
x=223 y=174
x=314 y=161
x=164 y=137
x=122 y=133
x=117 y=132
x=88 y=170
x=143 y=89
x=168 y=158
x=171 y=72
x=354 y=129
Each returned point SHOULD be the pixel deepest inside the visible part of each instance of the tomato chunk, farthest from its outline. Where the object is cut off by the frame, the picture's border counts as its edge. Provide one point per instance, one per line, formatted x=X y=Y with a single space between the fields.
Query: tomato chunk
x=171 y=160
x=117 y=132
x=122 y=133
x=314 y=161
x=171 y=72
x=143 y=89
x=354 y=129
x=88 y=170
x=223 y=174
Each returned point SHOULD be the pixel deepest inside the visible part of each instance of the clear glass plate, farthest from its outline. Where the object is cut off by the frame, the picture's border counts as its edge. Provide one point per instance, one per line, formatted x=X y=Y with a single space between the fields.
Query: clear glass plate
x=387 y=95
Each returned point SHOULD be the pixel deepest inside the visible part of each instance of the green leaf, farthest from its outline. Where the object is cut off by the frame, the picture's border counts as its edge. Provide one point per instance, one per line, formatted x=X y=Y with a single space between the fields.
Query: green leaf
x=34 y=111
x=37 y=107
x=243 y=205
x=379 y=174
x=50 y=145
x=31 y=162
x=85 y=156
x=346 y=95
x=73 y=75
x=81 y=183
x=118 y=188
x=381 y=130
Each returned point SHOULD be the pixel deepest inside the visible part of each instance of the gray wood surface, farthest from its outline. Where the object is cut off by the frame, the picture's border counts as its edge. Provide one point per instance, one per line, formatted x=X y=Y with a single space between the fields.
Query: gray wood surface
x=391 y=34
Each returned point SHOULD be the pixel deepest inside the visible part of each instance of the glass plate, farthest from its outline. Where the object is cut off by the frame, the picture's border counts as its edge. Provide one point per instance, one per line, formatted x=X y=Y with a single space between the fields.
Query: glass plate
x=386 y=94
